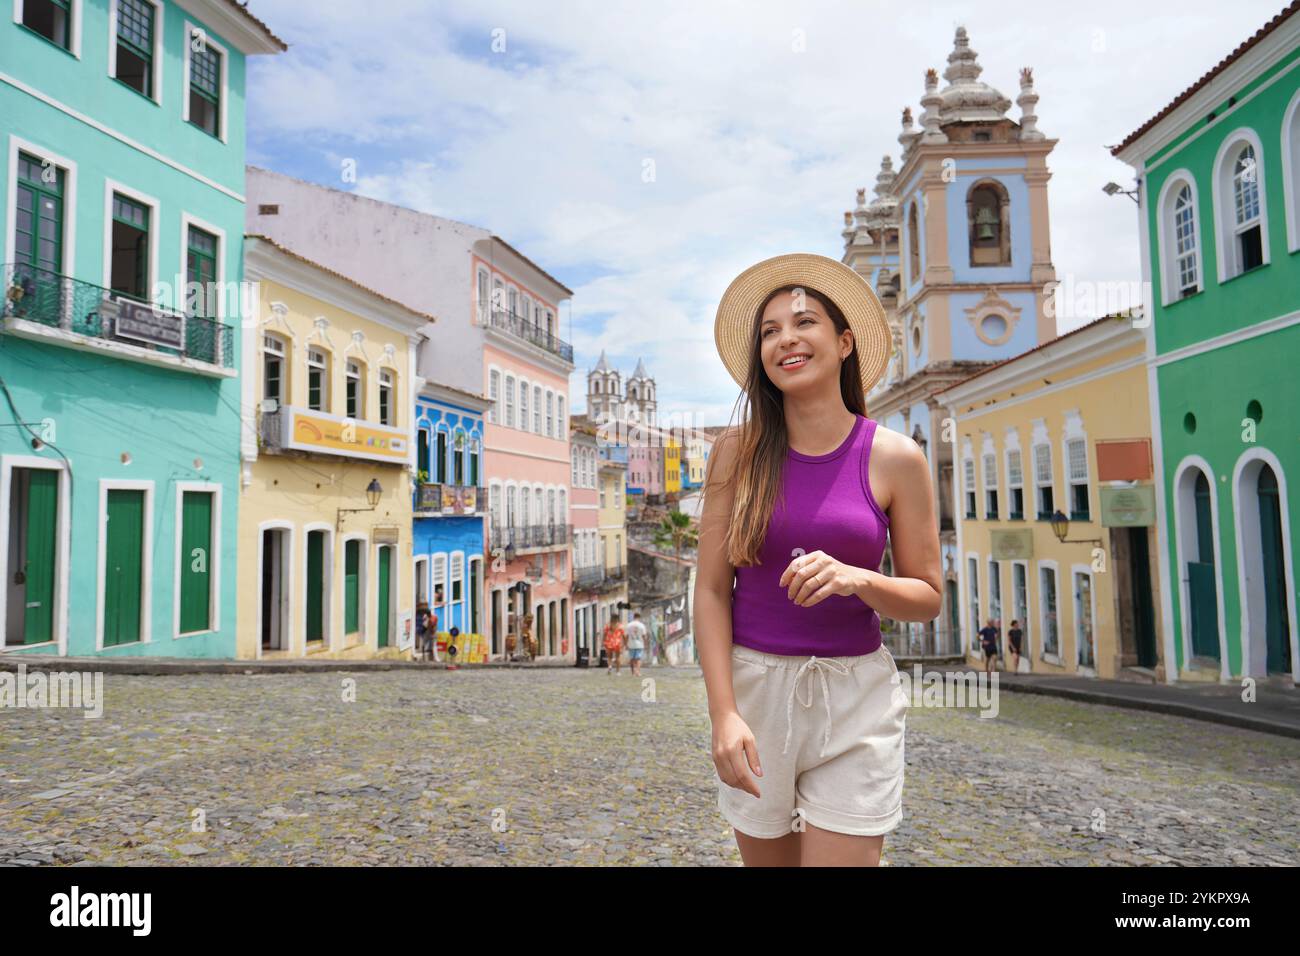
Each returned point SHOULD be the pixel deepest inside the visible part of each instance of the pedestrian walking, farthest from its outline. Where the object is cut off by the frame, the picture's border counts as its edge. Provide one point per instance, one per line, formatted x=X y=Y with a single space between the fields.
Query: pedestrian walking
x=1014 y=637
x=613 y=642
x=989 y=645
x=636 y=634
x=798 y=501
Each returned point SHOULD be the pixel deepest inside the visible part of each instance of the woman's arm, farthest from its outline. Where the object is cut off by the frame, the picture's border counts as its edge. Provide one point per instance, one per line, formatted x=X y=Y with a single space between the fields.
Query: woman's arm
x=900 y=475
x=715 y=577
x=734 y=750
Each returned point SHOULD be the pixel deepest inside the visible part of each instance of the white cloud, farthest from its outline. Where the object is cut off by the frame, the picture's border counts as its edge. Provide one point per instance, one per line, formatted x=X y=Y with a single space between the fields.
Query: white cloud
x=756 y=149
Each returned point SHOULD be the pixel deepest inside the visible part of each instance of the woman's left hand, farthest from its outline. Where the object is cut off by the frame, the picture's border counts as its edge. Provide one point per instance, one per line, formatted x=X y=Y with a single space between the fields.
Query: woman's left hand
x=815 y=576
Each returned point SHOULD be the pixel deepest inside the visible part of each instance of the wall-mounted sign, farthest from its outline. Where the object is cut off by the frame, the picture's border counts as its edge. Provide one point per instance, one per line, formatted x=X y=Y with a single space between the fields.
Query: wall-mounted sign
x=385 y=534
x=144 y=323
x=1127 y=459
x=1014 y=545
x=316 y=431
x=459 y=499
x=1128 y=507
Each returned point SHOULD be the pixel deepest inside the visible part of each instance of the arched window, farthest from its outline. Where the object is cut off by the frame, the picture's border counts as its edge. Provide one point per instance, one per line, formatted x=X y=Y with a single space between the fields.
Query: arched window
x=989 y=223
x=1291 y=171
x=1181 y=251
x=1240 y=206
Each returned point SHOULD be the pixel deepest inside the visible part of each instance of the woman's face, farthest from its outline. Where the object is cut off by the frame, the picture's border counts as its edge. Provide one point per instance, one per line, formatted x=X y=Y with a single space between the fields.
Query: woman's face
x=798 y=344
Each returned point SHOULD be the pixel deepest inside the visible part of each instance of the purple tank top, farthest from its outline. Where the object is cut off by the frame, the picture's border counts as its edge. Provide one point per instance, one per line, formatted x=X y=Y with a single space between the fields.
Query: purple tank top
x=828 y=506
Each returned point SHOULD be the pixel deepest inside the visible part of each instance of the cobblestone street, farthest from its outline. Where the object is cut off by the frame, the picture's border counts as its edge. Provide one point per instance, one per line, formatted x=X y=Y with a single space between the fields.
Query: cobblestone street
x=567 y=766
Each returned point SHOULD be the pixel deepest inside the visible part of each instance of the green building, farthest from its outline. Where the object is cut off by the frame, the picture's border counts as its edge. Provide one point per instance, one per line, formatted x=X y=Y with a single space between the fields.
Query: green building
x=122 y=176
x=1219 y=185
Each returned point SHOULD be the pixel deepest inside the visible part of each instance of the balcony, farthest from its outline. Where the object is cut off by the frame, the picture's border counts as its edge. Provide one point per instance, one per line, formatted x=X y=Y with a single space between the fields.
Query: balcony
x=45 y=306
x=435 y=499
x=518 y=326
x=598 y=578
x=529 y=538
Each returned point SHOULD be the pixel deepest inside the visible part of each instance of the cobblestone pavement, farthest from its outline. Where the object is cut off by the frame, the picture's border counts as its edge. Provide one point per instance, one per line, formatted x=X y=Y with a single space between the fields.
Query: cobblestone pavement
x=566 y=766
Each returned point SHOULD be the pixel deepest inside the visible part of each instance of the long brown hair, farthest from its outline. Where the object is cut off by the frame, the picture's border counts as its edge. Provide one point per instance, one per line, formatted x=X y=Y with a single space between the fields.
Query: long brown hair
x=763 y=442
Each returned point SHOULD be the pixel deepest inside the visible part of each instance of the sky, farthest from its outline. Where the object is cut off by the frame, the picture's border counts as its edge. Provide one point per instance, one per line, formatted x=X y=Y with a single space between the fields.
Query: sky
x=646 y=153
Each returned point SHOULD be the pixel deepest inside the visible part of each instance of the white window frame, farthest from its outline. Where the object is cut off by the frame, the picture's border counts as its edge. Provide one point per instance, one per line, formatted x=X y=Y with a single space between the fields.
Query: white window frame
x=112 y=186
x=214 y=559
x=355 y=370
x=1074 y=431
x=146 y=578
x=1076 y=571
x=494 y=393
x=523 y=403
x=1053 y=657
x=1291 y=171
x=186 y=222
x=1012 y=446
x=510 y=401
x=483 y=296
x=158 y=48
x=1167 y=236
x=324 y=366
x=1025 y=629
x=283 y=356
x=537 y=410
x=389 y=383
x=190 y=28
x=1227 y=229
x=74 y=32
x=1039 y=483
x=19 y=145
x=971 y=593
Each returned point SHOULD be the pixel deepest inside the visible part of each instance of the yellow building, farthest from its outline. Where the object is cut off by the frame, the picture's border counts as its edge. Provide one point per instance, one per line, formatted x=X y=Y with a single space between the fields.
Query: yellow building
x=325 y=504
x=672 y=466
x=1062 y=431
x=612 y=517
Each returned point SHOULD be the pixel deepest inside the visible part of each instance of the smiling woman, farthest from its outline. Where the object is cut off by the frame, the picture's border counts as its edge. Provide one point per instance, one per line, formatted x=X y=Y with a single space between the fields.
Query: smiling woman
x=799 y=502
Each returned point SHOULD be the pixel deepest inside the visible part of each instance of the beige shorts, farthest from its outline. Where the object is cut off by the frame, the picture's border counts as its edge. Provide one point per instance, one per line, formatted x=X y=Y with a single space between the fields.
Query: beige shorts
x=829 y=732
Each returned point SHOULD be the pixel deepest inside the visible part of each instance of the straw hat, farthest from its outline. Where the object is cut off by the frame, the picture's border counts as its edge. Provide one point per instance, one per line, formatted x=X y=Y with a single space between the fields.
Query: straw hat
x=733 y=329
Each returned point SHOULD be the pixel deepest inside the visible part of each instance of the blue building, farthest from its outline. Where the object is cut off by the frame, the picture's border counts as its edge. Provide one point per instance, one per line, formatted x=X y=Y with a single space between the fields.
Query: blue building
x=450 y=505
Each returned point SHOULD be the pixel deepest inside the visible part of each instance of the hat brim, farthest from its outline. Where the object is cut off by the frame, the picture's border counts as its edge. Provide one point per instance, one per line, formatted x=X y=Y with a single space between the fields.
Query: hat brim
x=733 y=329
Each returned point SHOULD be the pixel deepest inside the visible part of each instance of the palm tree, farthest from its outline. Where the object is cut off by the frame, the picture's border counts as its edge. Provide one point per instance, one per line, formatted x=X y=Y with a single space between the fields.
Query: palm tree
x=677 y=531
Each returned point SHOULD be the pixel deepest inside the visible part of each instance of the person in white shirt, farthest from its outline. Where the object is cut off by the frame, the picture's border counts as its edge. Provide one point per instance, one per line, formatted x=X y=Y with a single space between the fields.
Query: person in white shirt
x=636 y=634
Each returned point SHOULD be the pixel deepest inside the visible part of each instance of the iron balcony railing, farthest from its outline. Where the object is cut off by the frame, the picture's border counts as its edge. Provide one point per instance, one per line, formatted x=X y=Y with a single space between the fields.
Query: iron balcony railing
x=588 y=577
x=61 y=302
x=531 y=536
x=922 y=641
x=519 y=326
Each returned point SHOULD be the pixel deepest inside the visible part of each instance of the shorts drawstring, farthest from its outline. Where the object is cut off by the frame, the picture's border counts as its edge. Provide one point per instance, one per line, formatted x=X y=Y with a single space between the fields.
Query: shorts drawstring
x=819 y=666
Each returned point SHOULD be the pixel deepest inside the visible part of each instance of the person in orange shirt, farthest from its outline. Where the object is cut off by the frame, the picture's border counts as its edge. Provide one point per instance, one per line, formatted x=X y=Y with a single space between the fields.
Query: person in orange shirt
x=614 y=639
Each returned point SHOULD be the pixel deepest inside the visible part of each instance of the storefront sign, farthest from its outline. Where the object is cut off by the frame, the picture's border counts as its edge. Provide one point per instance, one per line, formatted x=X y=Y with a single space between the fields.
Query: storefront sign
x=136 y=320
x=1015 y=545
x=1128 y=507
x=316 y=431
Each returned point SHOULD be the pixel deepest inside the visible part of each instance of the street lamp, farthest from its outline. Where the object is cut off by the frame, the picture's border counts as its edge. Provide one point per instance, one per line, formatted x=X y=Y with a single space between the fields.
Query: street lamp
x=1061 y=527
x=1110 y=189
x=373 y=492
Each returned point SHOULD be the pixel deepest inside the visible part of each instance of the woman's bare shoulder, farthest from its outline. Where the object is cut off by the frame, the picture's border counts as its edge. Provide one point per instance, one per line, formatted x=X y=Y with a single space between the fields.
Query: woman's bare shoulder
x=895 y=447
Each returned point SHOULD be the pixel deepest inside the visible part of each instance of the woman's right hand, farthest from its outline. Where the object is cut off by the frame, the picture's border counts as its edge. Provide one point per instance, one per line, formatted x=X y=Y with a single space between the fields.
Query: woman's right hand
x=735 y=753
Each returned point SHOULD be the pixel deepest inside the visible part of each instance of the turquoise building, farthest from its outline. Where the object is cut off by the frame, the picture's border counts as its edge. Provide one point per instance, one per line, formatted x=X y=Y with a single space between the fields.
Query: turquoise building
x=122 y=164
x=450 y=503
x=1219 y=183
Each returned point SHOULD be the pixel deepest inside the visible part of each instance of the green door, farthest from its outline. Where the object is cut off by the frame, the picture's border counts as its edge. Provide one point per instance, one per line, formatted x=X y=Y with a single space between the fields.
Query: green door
x=1143 y=608
x=1277 y=628
x=196 y=561
x=1202 y=593
x=123 y=566
x=315 y=585
x=385 y=560
x=351 y=586
x=38 y=567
